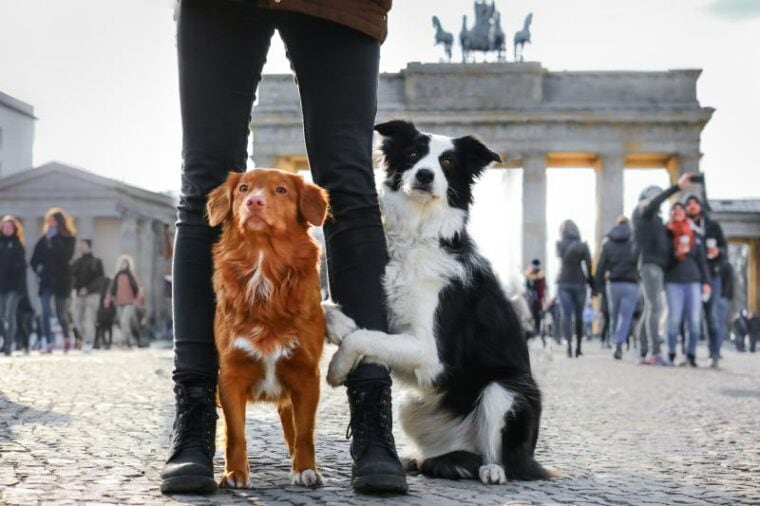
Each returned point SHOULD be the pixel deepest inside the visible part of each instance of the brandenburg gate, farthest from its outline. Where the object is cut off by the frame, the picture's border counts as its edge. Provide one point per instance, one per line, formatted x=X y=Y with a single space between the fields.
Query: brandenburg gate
x=533 y=117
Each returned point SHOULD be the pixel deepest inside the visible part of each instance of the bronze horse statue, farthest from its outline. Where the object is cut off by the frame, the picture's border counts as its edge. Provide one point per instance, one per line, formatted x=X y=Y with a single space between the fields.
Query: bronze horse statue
x=523 y=36
x=443 y=37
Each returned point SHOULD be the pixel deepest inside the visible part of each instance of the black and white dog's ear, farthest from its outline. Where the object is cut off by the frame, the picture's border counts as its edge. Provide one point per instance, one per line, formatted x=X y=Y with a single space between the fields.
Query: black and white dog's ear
x=397 y=128
x=476 y=153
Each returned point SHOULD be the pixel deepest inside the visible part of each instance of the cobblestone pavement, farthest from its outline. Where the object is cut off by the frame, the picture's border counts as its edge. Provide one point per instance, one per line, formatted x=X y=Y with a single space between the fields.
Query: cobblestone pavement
x=94 y=428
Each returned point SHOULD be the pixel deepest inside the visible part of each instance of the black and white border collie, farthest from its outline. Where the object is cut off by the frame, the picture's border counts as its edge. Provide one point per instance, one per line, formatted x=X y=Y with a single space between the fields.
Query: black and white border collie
x=475 y=409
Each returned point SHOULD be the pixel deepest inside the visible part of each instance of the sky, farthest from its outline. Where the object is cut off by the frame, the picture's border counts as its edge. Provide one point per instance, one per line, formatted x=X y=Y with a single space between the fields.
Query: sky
x=102 y=77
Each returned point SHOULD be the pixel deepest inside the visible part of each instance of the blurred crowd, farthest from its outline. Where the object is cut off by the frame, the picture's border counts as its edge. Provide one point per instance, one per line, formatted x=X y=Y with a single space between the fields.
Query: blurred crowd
x=78 y=303
x=648 y=270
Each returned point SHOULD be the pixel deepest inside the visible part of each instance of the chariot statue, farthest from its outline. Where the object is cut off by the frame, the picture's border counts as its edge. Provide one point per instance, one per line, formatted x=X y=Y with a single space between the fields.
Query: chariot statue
x=486 y=35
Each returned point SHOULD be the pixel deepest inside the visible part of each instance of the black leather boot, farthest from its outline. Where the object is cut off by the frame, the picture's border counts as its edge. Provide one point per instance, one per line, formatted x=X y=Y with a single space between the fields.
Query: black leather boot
x=190 y=468
x=376 y=468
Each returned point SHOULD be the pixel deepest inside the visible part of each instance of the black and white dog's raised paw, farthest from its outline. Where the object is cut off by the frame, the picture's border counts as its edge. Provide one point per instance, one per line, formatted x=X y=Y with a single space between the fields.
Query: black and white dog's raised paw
x=337 y=324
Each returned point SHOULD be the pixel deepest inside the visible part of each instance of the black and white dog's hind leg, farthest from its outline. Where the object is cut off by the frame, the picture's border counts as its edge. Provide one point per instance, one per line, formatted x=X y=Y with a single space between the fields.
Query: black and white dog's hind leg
x=520 y=435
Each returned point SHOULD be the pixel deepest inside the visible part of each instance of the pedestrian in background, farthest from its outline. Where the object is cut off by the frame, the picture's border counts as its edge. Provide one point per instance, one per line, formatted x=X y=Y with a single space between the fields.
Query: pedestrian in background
x=87 y=271
x=51 y=262
x=12 y=278
x=686 y=280
x=535 y=288
x=716 y=249
x=652 y=252
x=125 y=294
x=727 y=286
x=25 y=320
x=574 y=276
x=618 y=276
x=105 y=317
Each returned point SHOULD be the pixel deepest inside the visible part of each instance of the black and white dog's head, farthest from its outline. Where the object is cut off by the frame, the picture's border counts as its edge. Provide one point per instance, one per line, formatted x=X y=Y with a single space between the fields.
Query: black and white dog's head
x=432 y=169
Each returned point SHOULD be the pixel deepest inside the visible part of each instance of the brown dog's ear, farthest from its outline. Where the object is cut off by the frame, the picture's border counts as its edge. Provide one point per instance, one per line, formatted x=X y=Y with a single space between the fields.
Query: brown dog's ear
x=219 y=203
x=313 y=204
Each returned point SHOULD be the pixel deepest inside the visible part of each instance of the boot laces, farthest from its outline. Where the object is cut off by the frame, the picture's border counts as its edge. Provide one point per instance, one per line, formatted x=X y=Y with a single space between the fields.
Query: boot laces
x=195 y=423
x=371 y=419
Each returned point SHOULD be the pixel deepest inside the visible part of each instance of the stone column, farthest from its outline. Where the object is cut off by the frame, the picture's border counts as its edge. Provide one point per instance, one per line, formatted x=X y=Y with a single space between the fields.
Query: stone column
x=86 y=228
x=609 y=193
x=129 y=239
x=32 y=234
x=144 y=260
x=534 y=208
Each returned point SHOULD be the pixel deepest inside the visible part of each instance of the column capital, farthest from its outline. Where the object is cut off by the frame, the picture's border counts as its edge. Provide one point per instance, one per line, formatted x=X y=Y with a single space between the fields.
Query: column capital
x=533 y=159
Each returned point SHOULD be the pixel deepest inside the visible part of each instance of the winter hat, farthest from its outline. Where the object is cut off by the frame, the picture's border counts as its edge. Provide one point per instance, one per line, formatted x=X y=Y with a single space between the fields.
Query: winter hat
x=649 y=192
x=692 y=196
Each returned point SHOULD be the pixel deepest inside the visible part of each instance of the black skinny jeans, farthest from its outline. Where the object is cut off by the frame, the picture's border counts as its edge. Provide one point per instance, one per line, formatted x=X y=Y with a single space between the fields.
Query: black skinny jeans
x=222 y=47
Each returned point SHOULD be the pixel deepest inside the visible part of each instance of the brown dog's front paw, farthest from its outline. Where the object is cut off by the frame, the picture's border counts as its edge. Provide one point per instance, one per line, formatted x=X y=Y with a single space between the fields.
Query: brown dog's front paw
x=306 y=478
x=235 y=479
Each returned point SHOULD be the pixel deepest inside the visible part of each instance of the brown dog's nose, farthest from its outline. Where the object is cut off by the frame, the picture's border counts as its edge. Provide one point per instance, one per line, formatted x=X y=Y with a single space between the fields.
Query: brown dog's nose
x=256 y=200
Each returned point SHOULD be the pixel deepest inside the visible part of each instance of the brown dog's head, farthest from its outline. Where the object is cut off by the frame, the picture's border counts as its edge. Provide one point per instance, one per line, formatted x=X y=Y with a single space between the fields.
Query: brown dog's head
x=266 y=201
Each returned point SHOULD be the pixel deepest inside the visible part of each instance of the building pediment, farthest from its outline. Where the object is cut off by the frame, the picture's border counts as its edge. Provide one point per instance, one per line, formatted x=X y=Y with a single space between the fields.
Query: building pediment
x=57 y=179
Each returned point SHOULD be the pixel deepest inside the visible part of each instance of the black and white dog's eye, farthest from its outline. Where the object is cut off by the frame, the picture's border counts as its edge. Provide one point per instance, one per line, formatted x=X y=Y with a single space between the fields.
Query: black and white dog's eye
x=447 y=163
x=412 y=157
x=243 y=188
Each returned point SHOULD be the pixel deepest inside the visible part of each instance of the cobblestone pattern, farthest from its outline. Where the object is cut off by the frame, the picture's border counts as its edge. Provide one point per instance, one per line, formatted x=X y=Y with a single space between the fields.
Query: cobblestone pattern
x=94 y=429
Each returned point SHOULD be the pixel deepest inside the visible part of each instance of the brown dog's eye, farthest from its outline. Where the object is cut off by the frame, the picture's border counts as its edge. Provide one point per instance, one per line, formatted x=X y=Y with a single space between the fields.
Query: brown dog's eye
x=243 y=188
x=281 y=190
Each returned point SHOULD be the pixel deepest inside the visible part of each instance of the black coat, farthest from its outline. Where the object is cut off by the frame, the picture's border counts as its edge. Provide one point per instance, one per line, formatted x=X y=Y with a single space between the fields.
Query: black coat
x=649 y=232
x=12 y=265
x=88 y=273
x=711 y=229
x=617 y=261
x=573 y=253
x=51 y=261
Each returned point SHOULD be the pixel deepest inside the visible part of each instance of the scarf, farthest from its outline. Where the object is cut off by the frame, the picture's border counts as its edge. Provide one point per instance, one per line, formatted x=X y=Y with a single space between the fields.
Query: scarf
x=679 y=229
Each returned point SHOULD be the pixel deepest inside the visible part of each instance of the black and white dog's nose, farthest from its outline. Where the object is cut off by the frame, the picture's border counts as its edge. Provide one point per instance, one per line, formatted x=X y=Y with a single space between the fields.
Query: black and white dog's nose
x=424 y=176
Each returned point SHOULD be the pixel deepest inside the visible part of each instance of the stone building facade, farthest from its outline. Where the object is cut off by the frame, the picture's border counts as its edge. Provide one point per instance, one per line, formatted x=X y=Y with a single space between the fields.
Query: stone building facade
x=533 y=117
x=119 y=218
x=16 y=135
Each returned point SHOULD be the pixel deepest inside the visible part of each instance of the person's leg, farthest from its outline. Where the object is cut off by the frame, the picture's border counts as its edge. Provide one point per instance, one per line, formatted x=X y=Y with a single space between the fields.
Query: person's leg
x=11 y=323
x=615 y=291
x=45 y=329
x=652 y=283
x=79 y=308
x=693 y=314
x=628 y=299
x=92 y=302
x=337 y=73
x=579 y=303
x=4 y=320
x=714 y=322
x=675 y=295
x=721 y=315
x=61 y=312
x=221 y=49
x=566 y=315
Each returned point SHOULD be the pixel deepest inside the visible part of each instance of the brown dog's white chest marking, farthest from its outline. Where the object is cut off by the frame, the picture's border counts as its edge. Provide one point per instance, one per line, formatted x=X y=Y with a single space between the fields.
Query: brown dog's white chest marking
x=258 y=285
x=269 y=386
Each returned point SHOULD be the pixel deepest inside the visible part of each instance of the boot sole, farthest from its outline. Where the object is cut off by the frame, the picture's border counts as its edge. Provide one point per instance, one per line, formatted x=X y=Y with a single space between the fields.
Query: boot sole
x=380 y=484
x=188 y=485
